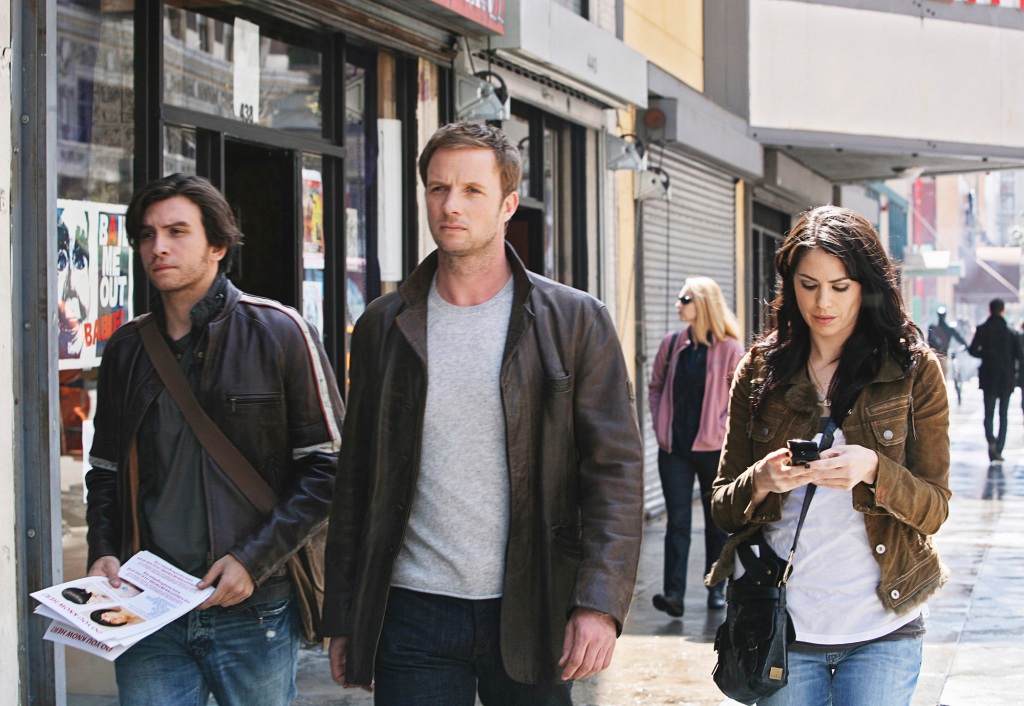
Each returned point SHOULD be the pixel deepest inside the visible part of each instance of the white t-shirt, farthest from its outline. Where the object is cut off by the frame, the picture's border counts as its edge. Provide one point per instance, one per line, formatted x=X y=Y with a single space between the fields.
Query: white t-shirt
x=831 y=591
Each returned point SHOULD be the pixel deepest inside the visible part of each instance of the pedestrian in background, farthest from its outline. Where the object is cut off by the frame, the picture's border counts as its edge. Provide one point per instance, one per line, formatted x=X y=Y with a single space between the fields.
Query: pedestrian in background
x=487 y=520
x=1020 y=364
x=689 y=400
x=1000 y=351
x=260 y=373
x=839 y=344
x=941 y=336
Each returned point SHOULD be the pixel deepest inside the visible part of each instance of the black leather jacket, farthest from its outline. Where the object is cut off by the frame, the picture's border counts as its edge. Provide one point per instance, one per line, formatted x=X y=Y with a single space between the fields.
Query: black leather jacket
x=575 y=468
x=267 y=383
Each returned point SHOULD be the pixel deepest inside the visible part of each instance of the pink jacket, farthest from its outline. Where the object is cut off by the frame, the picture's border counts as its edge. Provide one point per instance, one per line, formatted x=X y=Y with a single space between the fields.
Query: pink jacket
x=723 y=357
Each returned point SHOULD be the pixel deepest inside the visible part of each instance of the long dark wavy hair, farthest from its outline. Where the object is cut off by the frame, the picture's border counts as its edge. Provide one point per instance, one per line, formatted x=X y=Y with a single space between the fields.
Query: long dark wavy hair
x=882 y=323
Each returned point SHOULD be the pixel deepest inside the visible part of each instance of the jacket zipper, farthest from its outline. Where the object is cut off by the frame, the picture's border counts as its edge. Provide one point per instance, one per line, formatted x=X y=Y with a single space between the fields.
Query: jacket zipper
x=251 y=399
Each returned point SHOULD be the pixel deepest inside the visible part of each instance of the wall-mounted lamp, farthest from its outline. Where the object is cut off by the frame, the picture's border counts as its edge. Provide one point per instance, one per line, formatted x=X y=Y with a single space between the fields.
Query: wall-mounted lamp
x=482 y=96
x=623 y=154
x=652 y=185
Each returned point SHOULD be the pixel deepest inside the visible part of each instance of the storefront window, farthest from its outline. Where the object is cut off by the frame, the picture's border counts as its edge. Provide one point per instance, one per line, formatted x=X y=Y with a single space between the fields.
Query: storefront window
x=233 y=70
x=550 y=215
x=94 y=143
x=357 y=170
x=95 y=147
x=95 y=102
x=518 y=131
x=179 y=150
x=313 y=241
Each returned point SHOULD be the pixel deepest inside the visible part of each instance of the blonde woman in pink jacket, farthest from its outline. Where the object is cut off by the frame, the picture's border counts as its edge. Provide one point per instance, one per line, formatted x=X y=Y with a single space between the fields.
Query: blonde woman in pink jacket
x=689 y=398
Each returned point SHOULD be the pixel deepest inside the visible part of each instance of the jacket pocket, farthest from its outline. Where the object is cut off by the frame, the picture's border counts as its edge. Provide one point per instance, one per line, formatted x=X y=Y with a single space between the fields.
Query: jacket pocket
x=889 y=422
x=765 y=429
x=250 y=399
x=568 y=540
x=558 y=384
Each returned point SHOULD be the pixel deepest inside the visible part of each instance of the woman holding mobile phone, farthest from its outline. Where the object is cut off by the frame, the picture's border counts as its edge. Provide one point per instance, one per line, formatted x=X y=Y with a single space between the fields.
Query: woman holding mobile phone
x=839 y=344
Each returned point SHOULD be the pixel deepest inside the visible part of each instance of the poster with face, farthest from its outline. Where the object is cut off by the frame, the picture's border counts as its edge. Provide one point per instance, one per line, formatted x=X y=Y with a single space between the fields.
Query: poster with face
x=94 y=279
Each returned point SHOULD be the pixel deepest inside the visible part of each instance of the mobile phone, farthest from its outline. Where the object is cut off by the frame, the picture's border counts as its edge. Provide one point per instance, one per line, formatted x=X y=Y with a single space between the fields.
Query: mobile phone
x=802 y=451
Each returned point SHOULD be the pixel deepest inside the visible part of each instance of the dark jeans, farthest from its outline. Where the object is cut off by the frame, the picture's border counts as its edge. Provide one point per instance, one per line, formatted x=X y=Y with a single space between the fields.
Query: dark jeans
x=437 y=651
x=990 y=399
x=677 y=473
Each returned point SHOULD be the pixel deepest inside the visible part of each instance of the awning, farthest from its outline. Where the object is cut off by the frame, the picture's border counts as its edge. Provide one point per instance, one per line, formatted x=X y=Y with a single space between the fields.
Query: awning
x=931 y=263
x=990 y=273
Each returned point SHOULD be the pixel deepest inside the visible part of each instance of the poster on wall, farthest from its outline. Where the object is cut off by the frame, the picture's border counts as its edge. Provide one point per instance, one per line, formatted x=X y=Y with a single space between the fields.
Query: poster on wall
x=313 y=248
x=94 y=279
x=312 y=219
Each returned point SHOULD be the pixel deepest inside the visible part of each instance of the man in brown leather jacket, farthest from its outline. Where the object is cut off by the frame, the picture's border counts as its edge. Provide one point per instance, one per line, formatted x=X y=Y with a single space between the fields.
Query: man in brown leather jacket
x=260 y=373
x=486 y=524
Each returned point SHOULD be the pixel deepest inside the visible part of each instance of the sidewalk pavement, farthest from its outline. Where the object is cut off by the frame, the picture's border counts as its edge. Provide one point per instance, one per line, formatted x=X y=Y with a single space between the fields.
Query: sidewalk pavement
x=974 y=646
x=973 y=649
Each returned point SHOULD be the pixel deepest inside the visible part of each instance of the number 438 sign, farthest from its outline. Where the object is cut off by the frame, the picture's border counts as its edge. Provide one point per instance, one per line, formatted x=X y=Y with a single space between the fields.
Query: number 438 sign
x=246 y=69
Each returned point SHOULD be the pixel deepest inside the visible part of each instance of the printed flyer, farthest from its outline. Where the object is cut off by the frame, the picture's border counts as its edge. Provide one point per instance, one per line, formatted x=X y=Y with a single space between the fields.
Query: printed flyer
x=90 y=614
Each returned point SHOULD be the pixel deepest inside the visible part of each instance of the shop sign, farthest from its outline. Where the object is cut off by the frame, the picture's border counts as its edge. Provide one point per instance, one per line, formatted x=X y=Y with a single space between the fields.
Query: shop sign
x=489 y=14
x=94 y=279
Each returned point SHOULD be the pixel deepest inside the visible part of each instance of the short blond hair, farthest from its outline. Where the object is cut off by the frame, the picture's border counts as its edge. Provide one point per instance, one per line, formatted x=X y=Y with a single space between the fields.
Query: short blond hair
x=466 y=135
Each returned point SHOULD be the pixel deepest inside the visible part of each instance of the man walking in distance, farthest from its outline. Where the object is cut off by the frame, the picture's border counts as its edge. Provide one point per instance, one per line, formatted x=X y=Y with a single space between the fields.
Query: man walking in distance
x=1000 y=352
x=486 y=525
x=260 y=373
x=941 y=336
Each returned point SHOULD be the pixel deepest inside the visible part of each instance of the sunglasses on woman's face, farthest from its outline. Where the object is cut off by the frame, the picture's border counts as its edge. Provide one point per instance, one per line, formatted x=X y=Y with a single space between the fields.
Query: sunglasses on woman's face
x=685 y=299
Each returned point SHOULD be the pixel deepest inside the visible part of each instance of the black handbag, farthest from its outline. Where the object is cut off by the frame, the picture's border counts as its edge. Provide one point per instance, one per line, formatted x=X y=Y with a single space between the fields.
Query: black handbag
x=752 y=643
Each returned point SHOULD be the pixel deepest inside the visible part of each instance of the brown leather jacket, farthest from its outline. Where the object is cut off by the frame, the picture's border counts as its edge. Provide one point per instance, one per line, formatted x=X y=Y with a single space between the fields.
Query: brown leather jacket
x=904 y=417
x=268 y=385
x=575 y=463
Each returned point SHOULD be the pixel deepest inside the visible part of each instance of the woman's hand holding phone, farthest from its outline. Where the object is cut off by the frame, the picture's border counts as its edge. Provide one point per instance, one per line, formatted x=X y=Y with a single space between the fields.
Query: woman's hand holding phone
x=778 y=472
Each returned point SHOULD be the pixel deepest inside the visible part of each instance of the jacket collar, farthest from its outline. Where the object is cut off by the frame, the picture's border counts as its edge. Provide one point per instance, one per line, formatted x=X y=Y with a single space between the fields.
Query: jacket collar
x=996 y=321
x=801 y=396
x=891 y=368
x=412 y=320
x=416 y=287
x=219 y=299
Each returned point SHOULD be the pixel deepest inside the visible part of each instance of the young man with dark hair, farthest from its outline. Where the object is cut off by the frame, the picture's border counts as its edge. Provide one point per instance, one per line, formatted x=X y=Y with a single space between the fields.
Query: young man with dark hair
x=260 y=373
x=1000 y=353
x=486 y=525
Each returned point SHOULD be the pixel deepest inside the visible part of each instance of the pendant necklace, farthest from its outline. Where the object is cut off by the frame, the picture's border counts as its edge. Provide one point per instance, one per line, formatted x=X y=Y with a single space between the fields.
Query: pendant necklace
x=822 y=396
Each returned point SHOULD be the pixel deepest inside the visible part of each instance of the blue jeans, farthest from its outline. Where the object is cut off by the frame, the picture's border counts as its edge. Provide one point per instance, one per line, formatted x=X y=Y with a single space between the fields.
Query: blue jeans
x=678 y=472
x=869 y=675
x=245 y=658
x=437 y=651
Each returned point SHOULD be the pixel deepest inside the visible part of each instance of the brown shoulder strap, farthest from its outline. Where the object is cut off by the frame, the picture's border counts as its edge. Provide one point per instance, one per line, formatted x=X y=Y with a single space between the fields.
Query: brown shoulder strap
x=133 y=491
x=227 y=456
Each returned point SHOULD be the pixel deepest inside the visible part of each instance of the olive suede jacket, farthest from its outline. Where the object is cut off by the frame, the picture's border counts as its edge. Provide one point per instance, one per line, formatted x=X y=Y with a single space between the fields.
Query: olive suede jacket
x=901 y=415
x=575 y=462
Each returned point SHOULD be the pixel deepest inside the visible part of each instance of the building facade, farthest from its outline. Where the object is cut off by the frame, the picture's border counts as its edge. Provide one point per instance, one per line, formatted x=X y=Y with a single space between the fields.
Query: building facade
x=761 y=109
x=309 y=117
